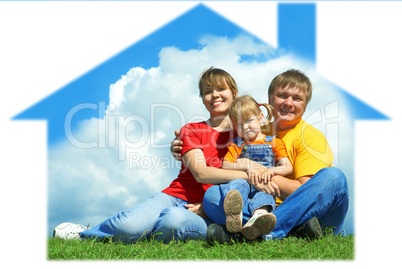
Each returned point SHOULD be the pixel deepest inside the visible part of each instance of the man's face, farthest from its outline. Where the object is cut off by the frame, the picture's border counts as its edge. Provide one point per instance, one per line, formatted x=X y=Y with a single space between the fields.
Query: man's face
x=289 y=105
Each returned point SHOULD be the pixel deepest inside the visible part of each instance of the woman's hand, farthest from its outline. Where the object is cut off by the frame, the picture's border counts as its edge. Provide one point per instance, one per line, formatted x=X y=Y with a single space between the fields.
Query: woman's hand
x=175 y=146
x=197 y=208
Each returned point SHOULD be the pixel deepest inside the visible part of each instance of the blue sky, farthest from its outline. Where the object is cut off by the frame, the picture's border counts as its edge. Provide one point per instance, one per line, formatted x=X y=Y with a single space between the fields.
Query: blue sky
x=335 y=61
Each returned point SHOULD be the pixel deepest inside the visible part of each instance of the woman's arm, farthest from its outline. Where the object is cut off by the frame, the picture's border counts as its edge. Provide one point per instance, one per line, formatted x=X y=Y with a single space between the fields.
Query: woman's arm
x=194 y=159
x=254 y=175
x=234 y=166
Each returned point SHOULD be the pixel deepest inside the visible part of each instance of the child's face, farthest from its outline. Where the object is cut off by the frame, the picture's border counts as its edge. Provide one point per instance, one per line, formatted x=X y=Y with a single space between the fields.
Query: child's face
x=250 y=129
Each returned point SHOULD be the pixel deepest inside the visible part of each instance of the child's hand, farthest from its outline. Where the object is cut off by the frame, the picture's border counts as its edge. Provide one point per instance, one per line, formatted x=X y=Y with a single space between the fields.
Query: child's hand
x=266 y=175
x=254 y=176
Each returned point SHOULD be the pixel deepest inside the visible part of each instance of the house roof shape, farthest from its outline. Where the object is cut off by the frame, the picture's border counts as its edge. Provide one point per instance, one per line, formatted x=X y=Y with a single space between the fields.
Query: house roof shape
x=296 y=34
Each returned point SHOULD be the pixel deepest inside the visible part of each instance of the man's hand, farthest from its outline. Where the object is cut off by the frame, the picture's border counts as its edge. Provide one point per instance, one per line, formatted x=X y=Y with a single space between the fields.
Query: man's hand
x=175 y=146
x=269 y=188
x=197 y=208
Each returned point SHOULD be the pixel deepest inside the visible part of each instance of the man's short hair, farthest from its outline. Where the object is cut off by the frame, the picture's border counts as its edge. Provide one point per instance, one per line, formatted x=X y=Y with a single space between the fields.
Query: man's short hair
x=292 y=79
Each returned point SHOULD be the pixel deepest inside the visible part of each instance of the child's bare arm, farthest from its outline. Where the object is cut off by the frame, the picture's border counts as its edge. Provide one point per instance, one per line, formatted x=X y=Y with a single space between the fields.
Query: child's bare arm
x=283 y=168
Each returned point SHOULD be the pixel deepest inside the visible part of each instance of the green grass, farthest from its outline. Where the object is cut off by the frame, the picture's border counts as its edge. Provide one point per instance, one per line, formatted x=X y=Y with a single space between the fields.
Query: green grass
x=328 y=248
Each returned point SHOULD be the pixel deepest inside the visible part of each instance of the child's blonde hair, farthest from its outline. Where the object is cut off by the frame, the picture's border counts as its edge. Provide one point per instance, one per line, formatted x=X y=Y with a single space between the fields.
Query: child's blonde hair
x=245 y=107
x=217 y=77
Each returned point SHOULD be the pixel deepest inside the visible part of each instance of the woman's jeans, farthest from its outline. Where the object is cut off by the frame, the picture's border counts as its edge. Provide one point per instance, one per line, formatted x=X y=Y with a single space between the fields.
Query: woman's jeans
x=162 y=217
x=324 y=196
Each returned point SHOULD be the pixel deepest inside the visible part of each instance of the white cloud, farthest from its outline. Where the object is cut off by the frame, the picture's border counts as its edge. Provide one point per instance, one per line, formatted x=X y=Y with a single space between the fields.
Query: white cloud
x=132 y=160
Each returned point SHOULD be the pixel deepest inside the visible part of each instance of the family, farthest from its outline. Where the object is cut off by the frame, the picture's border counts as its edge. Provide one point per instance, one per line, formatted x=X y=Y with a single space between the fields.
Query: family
x=242 y=176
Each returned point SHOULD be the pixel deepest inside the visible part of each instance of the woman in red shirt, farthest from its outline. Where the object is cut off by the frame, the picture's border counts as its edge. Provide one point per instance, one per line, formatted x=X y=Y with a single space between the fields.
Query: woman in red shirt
x=176 y=212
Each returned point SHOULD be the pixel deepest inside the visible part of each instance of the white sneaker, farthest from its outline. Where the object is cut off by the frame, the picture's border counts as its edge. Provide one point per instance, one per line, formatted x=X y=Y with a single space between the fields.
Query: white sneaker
x=259 y=224
x=68 y=231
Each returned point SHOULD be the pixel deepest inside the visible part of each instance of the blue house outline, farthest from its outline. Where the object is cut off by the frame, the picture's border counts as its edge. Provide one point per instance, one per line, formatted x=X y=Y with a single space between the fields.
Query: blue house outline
x=296 y=34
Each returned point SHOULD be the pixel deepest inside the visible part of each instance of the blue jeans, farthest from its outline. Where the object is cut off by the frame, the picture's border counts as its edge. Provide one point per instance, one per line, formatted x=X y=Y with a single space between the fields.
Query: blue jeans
x=162 y=216
x=252 y=200
x=324 y=196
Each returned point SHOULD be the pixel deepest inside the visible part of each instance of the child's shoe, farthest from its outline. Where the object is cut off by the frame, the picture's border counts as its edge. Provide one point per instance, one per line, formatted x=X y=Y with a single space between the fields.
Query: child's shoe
x=233 y=205
x=259 y=224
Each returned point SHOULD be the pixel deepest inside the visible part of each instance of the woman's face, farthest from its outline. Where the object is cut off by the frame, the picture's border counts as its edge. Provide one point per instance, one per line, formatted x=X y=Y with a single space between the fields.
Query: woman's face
x=217 y=99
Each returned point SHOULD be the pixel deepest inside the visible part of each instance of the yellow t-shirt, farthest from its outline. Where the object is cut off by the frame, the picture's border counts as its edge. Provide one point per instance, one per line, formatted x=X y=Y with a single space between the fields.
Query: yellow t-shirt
x=307 y=148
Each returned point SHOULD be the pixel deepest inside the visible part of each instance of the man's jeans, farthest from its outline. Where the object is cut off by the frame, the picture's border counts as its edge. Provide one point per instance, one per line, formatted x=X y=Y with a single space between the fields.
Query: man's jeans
x=324 y=196
x=162 y=216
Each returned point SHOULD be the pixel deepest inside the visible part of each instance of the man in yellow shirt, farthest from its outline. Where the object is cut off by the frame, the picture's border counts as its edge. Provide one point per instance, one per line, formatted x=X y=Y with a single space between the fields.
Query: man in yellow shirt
x=315 y=189
x=315 y=194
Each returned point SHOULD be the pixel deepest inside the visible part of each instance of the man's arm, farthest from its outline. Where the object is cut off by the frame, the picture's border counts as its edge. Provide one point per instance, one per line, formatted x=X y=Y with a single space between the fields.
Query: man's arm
x=288 y=186
x=283 y=167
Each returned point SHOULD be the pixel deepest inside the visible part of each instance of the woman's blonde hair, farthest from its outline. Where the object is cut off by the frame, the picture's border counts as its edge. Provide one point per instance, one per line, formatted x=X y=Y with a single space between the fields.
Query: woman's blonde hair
x=245 y=107
x=217 y=77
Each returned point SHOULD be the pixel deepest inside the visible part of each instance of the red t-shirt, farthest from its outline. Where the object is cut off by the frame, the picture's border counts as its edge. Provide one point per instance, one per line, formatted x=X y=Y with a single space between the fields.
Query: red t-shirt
x=214 y=146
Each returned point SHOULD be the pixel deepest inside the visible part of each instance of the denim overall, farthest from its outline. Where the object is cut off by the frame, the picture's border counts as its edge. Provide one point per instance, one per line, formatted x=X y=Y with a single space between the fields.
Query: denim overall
x=252 y=198
x=260 y=153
